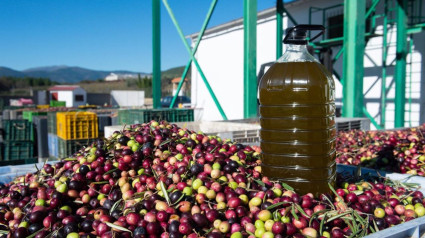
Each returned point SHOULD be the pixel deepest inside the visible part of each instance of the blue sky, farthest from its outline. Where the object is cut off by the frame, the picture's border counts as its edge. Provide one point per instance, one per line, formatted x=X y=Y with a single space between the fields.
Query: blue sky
x=102 y=34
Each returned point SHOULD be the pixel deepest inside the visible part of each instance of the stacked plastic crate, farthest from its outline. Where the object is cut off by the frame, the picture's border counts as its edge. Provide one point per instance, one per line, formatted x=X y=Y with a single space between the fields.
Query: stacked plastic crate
x=52 y=136
x=29 y=114
x=75 y=130
x=18 y=142
x=136 y=116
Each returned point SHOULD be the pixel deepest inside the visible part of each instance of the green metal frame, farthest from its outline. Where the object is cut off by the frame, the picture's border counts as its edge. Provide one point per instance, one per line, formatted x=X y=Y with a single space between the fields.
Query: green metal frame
x=280 y=9
x=372 y=120
x=288 y=14
x=250 y=58
x=353 y=49
x=176 y=24
x=279 y=28
x=416 y=24
x=354 y=46
x=400 y=67
x=410 y=79
x=156 y=53
x=384 y=66
x=198 y=40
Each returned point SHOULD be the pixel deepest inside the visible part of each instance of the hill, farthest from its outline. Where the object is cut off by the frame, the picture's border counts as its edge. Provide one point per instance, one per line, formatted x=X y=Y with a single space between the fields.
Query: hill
x=174 y=73
x=62 y=74
x=4 y=71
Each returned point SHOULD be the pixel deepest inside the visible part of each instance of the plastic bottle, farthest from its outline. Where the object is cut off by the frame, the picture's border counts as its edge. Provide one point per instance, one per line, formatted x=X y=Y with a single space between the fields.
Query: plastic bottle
x=297 y=116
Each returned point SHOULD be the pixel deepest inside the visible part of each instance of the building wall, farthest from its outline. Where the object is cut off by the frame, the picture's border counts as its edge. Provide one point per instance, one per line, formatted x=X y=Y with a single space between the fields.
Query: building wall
x=69 y=97
x=66 y=96
x=99 y=99
x=221 y=57
x=79 y=91
x=127 y=98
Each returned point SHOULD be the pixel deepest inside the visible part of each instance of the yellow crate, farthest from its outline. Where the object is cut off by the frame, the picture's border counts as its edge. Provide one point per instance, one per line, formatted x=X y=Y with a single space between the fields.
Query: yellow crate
x=43 y=106
x=77 y=125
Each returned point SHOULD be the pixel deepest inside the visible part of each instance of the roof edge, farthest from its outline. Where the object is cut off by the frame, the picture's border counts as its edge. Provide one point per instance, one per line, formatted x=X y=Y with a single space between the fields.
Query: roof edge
x=235 y=23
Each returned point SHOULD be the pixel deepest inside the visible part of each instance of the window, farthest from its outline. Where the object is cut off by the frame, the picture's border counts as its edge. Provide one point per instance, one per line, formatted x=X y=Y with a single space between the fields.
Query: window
x=79 y=98
x=55 y=96
x=335 y=26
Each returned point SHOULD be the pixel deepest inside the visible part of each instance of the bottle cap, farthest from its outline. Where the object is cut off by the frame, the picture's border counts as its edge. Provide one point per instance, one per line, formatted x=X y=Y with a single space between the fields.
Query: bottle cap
x=297 y=35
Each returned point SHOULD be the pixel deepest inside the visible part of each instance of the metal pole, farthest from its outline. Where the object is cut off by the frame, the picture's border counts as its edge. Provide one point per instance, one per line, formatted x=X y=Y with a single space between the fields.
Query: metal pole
x=354 y=45
x=291 y=18
x=176 y=24
x=384 y=65
x=279 y=28
x=410 y=79
x=156 y=53
x=372 y=8
x=372 y=120
x=198 y=40
x=250 y=58
x=338 y=54
x=400 y=67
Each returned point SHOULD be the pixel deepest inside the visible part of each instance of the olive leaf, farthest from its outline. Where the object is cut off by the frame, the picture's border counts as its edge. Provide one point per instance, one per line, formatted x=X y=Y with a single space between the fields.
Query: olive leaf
x=275 y=205
x=165 y=142
x=116 y=204
x=34 y=234
x=260 y=182
x=117 y=227
x=110 y=171
x=287 y=187
x=164 y=191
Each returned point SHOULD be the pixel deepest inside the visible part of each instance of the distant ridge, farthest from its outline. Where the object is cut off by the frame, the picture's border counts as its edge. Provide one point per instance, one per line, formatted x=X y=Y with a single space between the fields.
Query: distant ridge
x=4 y=71
x=63 y=73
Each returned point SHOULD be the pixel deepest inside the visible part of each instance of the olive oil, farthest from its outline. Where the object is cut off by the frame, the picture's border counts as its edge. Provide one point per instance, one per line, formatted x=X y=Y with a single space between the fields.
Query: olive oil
x=297 y=117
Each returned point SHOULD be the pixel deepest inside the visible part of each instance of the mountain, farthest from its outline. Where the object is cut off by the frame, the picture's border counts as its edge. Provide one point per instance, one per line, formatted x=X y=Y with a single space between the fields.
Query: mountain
x=175 y=72
x=62 y=73
x=4 y=71
x=46 y=68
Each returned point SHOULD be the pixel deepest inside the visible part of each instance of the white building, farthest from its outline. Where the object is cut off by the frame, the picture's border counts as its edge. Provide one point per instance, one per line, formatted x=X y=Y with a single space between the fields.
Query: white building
x=73 y=95
x=111 y=77
x=220 y=55
x=127 y=98
x=115 y=77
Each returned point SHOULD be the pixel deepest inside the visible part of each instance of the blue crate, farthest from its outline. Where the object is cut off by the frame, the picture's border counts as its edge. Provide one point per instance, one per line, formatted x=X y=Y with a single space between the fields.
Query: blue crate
x=414 y=228
x=53 y=145
x=406 y=178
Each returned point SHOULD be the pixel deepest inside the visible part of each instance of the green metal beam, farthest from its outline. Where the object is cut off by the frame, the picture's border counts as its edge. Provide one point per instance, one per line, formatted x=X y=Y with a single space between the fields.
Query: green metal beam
x=291 y=18
x=338 y=54
x=339 y=40
x=384 y=66
x=410 y=79
x=354 y=44
x=176 y=24
x=416 y=28
x=279 y=28
x=372 y=8
x=198 y=40
x=372 y=120
x=400 y=67
x=250 y=58
x=156 y=53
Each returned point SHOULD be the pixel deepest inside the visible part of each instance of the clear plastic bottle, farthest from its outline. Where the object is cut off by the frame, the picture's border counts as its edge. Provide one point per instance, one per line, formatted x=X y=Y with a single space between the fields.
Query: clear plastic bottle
x=297 y=116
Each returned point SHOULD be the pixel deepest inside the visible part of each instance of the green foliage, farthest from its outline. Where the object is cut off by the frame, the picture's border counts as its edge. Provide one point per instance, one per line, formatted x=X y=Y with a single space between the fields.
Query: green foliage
x=8 y=83
x=174 y=72
x=144 y=83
